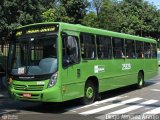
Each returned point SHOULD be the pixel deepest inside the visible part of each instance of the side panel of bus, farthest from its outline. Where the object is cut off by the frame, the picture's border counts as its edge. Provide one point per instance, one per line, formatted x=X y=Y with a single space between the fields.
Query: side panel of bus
x=72 y=79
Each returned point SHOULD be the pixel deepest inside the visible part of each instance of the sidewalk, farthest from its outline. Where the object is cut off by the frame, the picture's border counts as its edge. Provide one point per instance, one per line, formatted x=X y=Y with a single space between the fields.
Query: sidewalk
x=3 y=94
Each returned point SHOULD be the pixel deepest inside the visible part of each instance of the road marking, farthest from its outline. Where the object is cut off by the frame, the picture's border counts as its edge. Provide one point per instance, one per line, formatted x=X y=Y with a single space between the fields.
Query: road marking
x=157 y=83
x=1 y=95
x=156 y=90
x=148 y=114
x=154 y=111
x=27 y=113
x=96 y=103
x=134 y=107
x=9 y=112
x=109 y=106
x=126 y=110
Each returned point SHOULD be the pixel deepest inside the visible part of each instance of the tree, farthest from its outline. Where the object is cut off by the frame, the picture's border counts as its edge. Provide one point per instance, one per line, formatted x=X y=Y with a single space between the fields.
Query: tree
x=109 y=17
x=90 y=20
x=75 y=9
x=138 y=17
x=16 y=13
x=69 y=11
x=48 y=4
x=57 y=14
x=97 y=4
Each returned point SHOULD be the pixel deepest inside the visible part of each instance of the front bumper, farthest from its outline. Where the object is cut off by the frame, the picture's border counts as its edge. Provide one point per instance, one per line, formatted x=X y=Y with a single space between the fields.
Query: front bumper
x=52 y=94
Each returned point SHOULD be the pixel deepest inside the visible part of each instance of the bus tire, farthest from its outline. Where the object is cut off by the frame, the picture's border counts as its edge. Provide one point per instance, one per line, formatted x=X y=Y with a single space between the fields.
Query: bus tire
x=140 y=82
x=89 y=93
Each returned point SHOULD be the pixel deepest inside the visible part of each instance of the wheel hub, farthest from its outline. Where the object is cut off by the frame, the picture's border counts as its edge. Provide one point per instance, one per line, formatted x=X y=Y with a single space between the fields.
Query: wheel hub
x=89 y=92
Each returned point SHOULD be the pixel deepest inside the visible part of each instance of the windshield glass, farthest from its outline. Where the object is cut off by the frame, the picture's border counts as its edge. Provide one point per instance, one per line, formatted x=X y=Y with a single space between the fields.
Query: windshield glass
x=34 y=55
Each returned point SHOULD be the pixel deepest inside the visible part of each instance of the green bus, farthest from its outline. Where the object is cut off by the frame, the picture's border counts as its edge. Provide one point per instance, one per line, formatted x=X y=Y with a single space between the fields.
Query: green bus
x=56 y=62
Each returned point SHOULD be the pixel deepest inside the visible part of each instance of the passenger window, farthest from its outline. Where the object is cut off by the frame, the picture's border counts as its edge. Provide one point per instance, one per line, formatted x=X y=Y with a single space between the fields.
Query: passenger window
x=139 y=49
x=70 y=50
x=88 y=47
x=130 y=49
x=118 y=48
x=104 y=47
x=147 y=50
x=153 y=51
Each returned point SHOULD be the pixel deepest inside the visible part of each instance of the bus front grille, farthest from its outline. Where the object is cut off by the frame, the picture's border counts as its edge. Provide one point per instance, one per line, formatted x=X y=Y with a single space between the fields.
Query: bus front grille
x=28 y=87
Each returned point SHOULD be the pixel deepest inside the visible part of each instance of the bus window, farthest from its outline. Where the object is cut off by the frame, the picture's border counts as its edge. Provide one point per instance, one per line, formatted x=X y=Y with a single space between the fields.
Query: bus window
x=70 y=50
x=104 y=47
x=139 y=49
x=153 y=51
x=118 y=48
x=130 y=49
x=37 y=53
x=50 y=51
x=147 y=50
x=88 y=46
x=41 y=50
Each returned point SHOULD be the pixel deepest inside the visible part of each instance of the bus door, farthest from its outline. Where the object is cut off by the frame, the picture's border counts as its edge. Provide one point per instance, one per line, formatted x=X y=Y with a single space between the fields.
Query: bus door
x=71 y=84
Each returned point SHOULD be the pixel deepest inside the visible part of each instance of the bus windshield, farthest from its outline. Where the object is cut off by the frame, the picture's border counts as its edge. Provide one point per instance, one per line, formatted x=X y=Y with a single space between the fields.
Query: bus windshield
x=33 y=55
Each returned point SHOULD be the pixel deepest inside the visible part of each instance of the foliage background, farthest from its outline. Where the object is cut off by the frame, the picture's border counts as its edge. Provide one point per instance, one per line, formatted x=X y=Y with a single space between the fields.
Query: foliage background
x=136 y=17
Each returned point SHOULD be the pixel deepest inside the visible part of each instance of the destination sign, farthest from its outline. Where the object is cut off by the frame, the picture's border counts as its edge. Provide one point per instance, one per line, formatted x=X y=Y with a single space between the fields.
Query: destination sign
x=36 y=29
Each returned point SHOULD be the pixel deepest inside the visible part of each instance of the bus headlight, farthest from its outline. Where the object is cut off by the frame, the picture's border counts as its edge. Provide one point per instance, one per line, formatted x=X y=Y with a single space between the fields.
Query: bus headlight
x=53 y=80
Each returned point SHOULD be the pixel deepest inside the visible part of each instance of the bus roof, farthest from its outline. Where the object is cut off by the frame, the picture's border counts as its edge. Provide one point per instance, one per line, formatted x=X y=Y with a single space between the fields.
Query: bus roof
x=96 y=31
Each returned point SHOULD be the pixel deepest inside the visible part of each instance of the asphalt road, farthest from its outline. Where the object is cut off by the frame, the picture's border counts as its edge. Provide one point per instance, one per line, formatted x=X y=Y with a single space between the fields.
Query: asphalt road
x=126 y=103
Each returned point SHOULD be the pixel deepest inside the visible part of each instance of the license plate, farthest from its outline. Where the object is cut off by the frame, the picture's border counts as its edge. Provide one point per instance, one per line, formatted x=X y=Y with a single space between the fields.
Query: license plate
x=27 y=95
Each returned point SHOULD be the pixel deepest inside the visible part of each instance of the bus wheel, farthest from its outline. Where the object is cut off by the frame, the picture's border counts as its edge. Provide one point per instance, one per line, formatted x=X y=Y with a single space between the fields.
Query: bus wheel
x=140 y=82
x=89 y=93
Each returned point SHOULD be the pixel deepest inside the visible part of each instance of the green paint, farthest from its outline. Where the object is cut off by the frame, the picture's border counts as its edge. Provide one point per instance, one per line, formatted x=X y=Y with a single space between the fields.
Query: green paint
x=111 y=73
